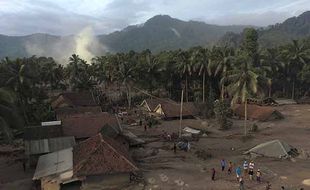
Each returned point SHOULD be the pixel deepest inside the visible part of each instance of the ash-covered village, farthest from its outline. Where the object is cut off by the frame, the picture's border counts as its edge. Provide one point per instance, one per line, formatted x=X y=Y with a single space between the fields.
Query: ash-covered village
x=166 y=103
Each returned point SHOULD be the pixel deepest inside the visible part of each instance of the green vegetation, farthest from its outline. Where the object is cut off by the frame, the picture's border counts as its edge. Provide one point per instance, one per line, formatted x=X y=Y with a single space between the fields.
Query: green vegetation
x=205 y=74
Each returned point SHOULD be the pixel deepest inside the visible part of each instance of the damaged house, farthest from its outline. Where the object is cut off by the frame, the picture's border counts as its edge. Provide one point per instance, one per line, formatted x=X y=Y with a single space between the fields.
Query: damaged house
x=95 y=163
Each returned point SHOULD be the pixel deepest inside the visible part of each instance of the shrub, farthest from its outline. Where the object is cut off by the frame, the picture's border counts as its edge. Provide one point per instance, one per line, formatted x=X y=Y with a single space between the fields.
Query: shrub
x=222 y=111
x=254 y=127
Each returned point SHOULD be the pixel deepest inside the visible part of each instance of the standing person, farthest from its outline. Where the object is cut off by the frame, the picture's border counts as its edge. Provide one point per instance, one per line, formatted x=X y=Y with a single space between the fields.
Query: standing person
x=245 y=167
x=238 y=172
x=268 y=186
x=213 y=174
x=174 y=148
x=258 y=176
x=145 y=128
x=24 y=165
x=230 y=166
x=241 y=183
x=223 y=164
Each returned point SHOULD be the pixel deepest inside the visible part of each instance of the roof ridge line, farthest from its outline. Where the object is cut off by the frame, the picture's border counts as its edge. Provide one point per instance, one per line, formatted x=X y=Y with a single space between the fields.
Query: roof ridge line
x=118 y=152
x=85 y=160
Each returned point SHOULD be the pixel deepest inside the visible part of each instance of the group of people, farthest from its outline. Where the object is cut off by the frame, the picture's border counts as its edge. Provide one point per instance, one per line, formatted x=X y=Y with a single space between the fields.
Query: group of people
x=248 y=169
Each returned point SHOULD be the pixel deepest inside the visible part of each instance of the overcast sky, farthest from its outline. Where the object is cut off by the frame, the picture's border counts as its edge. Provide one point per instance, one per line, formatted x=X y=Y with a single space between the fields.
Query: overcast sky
x=64 y=17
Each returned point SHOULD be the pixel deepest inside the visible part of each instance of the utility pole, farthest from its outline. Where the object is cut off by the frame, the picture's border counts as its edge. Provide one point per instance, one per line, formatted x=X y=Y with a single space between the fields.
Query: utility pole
x=181 y=113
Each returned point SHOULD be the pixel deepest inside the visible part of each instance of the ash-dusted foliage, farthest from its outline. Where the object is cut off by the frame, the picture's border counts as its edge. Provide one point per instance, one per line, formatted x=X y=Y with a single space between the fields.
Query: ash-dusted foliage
x=206 y=74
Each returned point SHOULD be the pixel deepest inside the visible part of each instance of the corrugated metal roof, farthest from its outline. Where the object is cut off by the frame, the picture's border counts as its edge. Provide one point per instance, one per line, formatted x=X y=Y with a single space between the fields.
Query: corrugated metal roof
x=48 y=145
x=39 y=132
x=54 y=163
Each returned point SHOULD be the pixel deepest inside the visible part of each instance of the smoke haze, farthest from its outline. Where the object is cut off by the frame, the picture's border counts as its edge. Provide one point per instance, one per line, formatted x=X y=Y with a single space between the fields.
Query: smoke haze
x=85 y=44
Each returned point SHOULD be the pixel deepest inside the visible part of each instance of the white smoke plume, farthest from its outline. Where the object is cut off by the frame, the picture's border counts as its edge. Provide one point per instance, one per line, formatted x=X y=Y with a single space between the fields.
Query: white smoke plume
x=85 y=44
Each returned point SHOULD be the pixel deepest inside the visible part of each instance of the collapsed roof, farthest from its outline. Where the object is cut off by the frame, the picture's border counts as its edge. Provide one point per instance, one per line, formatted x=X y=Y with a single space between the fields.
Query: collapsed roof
x=274 y=148
x=151 y=104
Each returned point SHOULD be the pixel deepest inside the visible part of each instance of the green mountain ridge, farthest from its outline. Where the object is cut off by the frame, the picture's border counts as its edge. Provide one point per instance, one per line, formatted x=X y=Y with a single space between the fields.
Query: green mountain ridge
x=278 y=34
x=159 y=33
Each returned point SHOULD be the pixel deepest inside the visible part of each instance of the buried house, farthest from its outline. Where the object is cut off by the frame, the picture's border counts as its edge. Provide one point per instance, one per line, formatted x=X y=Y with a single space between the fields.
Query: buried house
x=255 y=112
x=274 y=148
x=150 y=104
x=83 y=126
x=75 y=99
x=96 y=163
x=64 y=112
x=173 y=110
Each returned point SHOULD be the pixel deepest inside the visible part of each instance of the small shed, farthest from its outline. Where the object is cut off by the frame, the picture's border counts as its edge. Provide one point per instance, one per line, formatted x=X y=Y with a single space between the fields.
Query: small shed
x=54 y=169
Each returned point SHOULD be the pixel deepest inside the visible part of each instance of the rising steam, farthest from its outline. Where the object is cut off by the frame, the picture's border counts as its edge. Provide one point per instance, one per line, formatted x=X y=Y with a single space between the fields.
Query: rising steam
x=85 y=44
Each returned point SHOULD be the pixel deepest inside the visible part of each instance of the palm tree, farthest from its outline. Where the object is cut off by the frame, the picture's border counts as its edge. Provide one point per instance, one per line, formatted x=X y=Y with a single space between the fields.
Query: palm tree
x=185 y=67
x=9 y=117
x=126 y=70
x=243 y=82
x=223 y=61
x=270 y=65
x=151 y=65
x=296 y=56
x=200 y=60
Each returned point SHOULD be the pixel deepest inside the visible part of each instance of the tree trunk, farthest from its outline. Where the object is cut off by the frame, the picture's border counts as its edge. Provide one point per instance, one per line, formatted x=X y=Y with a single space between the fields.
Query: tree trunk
x=269 y=93
x=128 y=96
x=293 y=89
x=203 y=86
x=222 y=92
x=245 y=117
x=186 y=87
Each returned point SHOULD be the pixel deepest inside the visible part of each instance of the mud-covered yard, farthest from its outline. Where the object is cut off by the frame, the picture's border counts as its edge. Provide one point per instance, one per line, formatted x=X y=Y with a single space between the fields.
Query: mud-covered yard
x=162 y=169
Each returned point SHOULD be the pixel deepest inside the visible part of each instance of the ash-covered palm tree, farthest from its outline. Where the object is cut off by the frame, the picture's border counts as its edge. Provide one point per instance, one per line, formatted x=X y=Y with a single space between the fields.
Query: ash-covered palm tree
x=185 y=67
x=296 y=55
x=200 y=59
x=223 y=60
x=243 y=82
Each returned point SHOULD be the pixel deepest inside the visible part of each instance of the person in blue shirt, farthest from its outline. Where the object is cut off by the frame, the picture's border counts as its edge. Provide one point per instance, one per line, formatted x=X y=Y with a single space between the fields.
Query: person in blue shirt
x=223 y=164
x=238 y=172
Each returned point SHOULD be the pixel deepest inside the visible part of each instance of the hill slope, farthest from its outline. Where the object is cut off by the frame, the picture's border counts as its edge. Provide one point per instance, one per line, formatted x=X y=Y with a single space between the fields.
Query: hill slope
x=165 y=33
x=292 y=28
x=158 y=33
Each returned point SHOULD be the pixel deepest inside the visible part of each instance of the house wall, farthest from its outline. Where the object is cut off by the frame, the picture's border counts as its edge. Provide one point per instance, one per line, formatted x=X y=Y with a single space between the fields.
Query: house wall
x=103 y=181
x=159 y=111
x=49 y=185
x=59 y=102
